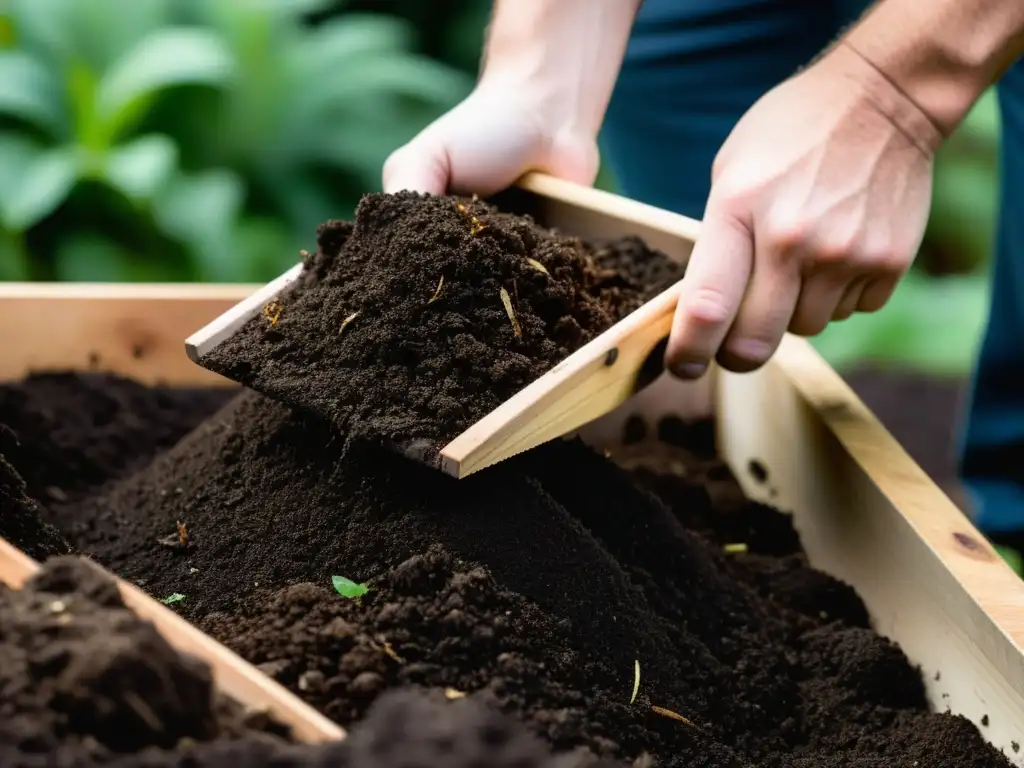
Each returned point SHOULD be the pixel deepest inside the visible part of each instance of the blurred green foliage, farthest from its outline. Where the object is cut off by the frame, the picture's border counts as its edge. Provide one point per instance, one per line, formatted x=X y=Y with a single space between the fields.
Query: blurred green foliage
x=206 y=139
x=196 y=140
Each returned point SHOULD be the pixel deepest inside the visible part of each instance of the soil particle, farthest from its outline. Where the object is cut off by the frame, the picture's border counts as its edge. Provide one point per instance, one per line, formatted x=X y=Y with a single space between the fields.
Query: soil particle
x=397 y=328
x=75 y=431
x=21 y=517
x=533 y=586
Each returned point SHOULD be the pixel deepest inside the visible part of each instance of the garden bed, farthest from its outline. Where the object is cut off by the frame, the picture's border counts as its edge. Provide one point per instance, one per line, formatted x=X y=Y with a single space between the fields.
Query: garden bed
x=635 y=606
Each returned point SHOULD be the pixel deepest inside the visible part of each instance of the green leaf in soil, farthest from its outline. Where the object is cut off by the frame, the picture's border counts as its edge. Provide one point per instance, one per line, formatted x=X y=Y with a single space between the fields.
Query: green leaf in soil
x=177 y=597
x=348 y=588
x=166 y=58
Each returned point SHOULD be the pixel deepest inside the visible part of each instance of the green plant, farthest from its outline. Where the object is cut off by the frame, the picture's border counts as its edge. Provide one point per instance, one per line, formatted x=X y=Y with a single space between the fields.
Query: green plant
x=188 y=139
x=348 y=588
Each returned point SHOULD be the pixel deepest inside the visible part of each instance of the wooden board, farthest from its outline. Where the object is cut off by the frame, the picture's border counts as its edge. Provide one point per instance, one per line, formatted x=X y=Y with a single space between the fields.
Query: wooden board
x=120 y=328
x=865 y=511
x=869 y=515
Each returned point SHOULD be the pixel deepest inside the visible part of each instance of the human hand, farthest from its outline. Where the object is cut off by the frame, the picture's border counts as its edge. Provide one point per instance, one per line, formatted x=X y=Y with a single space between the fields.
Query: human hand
x=818 y=205
x=484 y=144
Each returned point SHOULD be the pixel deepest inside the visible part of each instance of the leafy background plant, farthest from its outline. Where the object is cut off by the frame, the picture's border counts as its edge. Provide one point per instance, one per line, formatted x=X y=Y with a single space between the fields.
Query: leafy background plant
x=185 y=140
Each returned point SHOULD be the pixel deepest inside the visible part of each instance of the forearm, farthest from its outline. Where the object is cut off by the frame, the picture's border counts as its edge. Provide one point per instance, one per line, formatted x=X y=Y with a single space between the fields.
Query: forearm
x=942 y=54
x=568 y=52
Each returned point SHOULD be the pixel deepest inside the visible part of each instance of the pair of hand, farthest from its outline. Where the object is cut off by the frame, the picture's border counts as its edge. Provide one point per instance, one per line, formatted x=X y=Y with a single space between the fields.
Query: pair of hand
x=818 y=203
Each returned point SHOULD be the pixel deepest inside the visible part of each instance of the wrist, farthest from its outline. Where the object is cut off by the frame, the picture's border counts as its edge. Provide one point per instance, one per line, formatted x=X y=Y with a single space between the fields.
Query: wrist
x=853 y=71
x=563 y=56
x=942 y=54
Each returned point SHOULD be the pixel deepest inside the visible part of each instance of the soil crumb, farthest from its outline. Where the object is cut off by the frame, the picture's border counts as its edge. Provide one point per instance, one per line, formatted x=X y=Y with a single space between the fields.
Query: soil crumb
x=427 y=312
x=21 y=521
x=75 y=431
x=535 y=587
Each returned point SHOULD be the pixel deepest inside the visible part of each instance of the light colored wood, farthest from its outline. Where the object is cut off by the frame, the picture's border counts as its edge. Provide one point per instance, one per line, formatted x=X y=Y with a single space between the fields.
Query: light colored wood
x=238 y=679
x=869 y=515
x=596 y=214
x=585 y=385
x=226 y=325
x=15 y=566
x=129 y=329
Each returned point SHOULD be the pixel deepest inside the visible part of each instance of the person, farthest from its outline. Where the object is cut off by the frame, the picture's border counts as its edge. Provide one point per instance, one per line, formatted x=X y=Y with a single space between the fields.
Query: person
x=801 y=132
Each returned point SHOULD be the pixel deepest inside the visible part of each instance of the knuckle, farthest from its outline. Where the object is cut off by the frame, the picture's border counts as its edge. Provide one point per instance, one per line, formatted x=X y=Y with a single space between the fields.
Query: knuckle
x=706 y=306
x=788 y=235
x=834 y=252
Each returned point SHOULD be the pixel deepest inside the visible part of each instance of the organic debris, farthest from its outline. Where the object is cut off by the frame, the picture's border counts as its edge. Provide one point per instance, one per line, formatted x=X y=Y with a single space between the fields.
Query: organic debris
x=636 y=681
x=346 y=321
x=437 y=292
x=538 y=266
x=507 y=302
x=272 y=311
x=673 y=715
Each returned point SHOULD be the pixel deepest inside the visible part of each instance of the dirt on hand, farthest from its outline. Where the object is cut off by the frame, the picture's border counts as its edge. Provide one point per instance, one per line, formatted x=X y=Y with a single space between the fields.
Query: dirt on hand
x=428 y=312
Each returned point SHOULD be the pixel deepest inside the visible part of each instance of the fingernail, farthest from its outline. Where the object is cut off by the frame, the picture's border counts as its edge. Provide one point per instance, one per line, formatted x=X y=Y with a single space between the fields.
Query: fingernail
x=750 y=349
x=689 y=370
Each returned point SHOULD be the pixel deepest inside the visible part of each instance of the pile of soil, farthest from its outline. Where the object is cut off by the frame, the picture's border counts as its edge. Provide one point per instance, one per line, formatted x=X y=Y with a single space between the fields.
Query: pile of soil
x=397 y=329
x=535 y=587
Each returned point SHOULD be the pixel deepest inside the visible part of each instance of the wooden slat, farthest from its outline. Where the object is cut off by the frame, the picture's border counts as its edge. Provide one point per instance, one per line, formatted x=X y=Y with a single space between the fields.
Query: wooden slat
x=868 y=514
x=134 y=330
x=235 y=677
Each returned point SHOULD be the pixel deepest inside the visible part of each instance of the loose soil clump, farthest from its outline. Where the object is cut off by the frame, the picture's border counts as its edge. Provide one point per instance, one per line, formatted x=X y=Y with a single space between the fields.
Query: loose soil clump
x=428 y=312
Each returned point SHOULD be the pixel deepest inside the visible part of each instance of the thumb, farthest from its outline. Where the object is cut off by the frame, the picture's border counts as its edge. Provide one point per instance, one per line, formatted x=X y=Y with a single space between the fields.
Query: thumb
x=422 y=165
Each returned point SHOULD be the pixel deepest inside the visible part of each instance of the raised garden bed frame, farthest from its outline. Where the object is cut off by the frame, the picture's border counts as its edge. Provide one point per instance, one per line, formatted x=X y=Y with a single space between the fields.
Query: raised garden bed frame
x=865 y=511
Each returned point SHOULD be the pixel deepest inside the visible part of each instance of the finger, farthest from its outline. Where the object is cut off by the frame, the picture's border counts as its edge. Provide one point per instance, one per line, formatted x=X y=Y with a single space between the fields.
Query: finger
x=422 y=165
x=851 y=297
x=877 y=293
x=764 y=316
x=710 y=295
x=820 y=295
